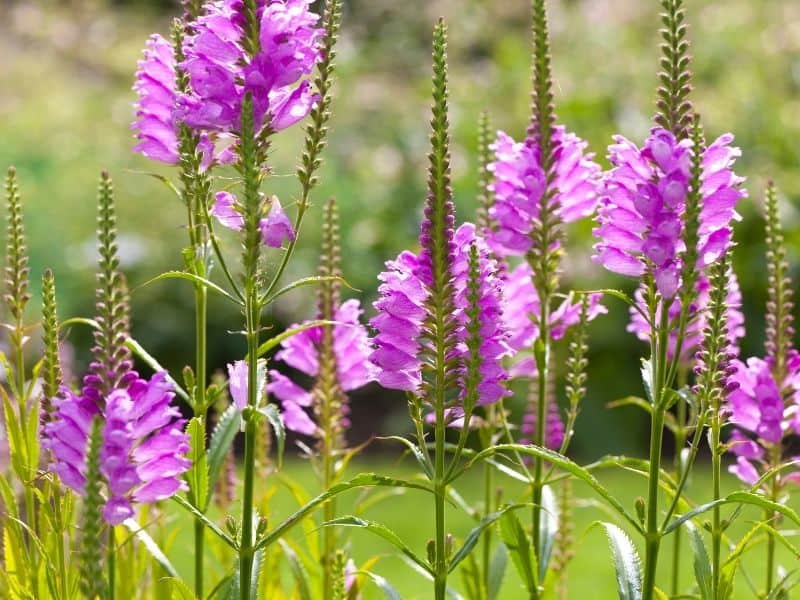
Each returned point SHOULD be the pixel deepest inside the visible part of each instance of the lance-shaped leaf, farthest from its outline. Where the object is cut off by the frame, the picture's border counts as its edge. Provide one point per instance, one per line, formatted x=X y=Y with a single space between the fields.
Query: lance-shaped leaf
x=702 y=564
x=519 y=547
x=626 y=563
x=221 y=439
x=474 y=535
x=197 y=475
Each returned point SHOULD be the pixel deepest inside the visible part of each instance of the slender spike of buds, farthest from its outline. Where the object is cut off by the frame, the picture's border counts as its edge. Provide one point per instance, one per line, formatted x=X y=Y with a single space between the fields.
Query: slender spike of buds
x=90 y=558
x=51 y=364
x=16 y=270
x=485 y=176
x=674 y=108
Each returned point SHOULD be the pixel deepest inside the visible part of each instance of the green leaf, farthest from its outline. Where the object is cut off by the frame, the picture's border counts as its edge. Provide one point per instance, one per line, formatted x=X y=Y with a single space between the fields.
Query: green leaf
x=735 y=498
x=195 y=279
x=273 y=342
x=567 y=465
x=548 y=528
x=150 y=361
x=299 y=572
x=162 y=179
x=386 y=587
x=626 y=563
x=474 y=535
x=785 y=585
x=273 y=416
x=647 y=379
x=381 y=531
x=222 y=437
x=702 y=564
x=497 y=570
x=151 y=546
x=197 y=475
x=317 y=279
x=519 y=547
x=206 y=521
x=179 y=590
x=359 y=481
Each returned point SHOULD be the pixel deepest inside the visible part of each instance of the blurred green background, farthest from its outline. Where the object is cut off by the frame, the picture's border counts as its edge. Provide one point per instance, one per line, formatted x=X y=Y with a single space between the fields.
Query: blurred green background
x=65 y=108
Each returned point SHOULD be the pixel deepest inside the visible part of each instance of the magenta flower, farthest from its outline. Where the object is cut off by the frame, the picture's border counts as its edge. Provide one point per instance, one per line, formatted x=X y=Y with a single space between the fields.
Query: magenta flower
x=351 y=348
x=156 y=125
x=143 y=454
x=519 y=184
x=403 y=308
x=522 y=312
x=764 y=411
x=641 y=209
x=221 y=72
x=693 y=336
x=276 y=228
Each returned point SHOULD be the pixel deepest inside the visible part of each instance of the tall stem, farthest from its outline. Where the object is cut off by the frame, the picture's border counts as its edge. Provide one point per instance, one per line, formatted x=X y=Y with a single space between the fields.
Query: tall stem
x=440 y=489
x=542 y=352
x=769 y=517
x=680 y=441
x=716 y=519
x=488 y=503
x=112 y=568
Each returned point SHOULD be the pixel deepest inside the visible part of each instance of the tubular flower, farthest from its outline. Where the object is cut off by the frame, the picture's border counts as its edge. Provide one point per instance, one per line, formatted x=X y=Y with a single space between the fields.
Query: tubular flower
x=143 y=453
x=519 y=186
x=404 y=307
x=276 y=228
x=641 y=209
x=156 y=124
x=698 y=318
x=763 y=411
x=521 y=313
x=351 y=347
x=221 y=71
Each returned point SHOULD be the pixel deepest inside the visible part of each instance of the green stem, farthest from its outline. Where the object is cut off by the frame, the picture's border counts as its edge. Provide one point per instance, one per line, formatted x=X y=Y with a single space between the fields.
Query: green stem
x=440 y=490
x=328 y=533
x=246 y=551
x=112 y=551
x=543 y=366
x=680 y=441
x=199 y=538
x=716 y=519
x=488 y=507
x=769 y=517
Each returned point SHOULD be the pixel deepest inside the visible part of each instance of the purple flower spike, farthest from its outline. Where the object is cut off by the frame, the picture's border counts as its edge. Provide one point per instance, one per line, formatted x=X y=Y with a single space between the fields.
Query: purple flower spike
x=764 y=411
x=143 y=453
x=494 y=343
x=553 y=429
x=351 y=348
x=401 y=312
x=276 y=228
x=641 y=208
x=155 y=84
x=221 y=73
x=519 y=185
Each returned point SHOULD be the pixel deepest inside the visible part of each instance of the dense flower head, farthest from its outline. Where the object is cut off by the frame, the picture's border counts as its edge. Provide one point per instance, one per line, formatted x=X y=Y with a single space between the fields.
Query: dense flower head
x=156 y=125
x=643 y=202
x=221 y=71
x=404 y=307
x=143 y=452
x=698 y=317
x=351 y=348
x=522 y=312
x=519 y=186
x=763 y=410
x=276 y=228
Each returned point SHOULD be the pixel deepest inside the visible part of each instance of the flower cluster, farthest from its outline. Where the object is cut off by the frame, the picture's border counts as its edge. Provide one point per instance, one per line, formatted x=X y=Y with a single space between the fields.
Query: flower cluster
x=520 y=183
x=143 y=453
x=764 y=411
x=553 y=427
x=641 y=209
x=697 y=318
x=275 y=227
x=522 y=311
x=222 y=72
x=404 y=306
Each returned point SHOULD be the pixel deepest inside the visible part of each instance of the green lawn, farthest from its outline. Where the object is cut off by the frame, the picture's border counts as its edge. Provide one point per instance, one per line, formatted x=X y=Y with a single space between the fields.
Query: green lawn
x=410 y=515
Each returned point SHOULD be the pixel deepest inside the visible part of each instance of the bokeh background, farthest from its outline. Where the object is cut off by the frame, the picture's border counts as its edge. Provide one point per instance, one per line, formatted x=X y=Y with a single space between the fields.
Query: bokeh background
x=66 y=105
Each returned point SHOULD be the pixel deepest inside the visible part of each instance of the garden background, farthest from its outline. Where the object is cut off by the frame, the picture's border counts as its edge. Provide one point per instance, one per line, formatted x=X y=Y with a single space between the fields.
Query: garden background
x=66 y=103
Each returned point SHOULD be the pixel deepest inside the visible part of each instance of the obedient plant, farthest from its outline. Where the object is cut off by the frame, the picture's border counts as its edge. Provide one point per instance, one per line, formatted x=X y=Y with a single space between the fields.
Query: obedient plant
x=476 y=326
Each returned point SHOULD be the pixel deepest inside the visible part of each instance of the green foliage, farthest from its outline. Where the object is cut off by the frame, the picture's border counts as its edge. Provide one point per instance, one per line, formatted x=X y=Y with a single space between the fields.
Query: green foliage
x=93 y=583
x=626 y=563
